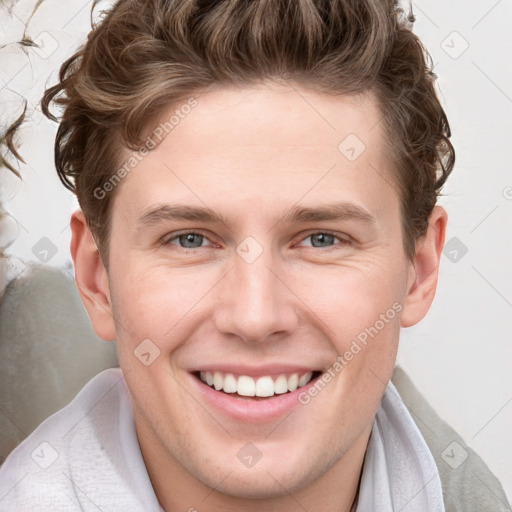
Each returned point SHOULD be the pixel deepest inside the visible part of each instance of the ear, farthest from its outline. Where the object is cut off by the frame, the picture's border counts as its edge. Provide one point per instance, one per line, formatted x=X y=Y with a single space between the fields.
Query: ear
x=424 y=269
x=91 y=278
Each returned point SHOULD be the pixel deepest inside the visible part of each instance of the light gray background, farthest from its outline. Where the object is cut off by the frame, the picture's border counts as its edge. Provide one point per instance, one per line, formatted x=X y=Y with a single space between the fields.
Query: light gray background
x=460 y=356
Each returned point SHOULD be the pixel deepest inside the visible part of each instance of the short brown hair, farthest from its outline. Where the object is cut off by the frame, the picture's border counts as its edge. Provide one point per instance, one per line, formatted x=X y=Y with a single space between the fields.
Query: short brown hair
x=148 y=54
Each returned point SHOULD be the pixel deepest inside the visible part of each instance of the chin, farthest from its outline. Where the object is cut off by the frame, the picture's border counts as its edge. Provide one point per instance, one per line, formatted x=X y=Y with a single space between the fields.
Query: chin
x=265 y=483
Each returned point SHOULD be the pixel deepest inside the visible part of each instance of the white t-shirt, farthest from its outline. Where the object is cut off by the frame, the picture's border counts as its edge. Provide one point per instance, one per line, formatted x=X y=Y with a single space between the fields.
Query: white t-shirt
x=86 y=457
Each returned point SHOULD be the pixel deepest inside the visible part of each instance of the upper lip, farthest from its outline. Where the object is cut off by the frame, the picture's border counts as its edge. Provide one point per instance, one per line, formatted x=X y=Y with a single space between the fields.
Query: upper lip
x=256 y=371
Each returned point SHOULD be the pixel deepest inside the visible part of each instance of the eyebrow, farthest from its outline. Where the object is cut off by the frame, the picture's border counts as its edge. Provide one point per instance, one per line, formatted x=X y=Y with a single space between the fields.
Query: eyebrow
x=168 y=212
x=330 y=212
x=297 y=214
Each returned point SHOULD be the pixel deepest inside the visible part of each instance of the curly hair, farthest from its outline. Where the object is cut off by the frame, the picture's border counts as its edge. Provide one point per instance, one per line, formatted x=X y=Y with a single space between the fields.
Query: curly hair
x=145 y=55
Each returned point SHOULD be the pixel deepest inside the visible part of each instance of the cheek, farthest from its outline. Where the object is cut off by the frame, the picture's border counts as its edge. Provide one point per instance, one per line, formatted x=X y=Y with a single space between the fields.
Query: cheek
x=360 y=314
x=155 y=302
x=350 y=298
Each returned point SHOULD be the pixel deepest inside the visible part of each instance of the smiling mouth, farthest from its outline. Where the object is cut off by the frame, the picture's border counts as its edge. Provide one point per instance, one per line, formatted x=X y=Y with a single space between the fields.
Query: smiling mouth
x=264 y=387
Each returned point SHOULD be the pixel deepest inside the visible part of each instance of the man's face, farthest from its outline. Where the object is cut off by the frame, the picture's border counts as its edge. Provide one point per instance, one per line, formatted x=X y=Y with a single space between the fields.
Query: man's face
x=280 y=247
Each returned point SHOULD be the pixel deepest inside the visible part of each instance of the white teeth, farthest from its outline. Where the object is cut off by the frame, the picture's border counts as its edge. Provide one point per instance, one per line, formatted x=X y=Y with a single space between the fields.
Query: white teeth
x=281 y=385
x=304 y=379
x=230 y=384
x=265 y=386
x=293 y=382
x=246 y=386
x=218 y=381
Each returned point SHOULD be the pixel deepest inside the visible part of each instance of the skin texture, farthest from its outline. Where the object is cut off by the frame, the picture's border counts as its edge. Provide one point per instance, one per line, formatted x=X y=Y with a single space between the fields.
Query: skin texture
x=253 y=155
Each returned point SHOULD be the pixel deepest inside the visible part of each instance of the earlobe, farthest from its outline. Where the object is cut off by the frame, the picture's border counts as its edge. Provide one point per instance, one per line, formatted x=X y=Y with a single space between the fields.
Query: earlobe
x=424 y=273
x=91 y=277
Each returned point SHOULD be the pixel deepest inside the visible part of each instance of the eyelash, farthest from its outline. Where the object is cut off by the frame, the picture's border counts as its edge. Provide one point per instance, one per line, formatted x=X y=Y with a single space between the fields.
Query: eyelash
x=341 y=240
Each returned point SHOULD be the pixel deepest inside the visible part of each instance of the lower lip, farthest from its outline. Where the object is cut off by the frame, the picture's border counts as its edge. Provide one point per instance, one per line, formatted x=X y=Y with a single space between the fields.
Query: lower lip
x=253 y=411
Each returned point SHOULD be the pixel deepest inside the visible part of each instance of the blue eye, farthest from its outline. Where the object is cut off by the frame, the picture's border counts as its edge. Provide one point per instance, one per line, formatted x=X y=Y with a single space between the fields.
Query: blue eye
x=193 y=240
x=187 y=240
x=322 y=240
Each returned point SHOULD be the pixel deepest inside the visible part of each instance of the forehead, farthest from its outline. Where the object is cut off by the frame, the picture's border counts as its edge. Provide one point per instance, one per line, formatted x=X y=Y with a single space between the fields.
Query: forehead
x=261 y=144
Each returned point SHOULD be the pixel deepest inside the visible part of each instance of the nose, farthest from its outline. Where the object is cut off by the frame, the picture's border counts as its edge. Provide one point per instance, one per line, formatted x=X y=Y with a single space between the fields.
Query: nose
x=255 y=302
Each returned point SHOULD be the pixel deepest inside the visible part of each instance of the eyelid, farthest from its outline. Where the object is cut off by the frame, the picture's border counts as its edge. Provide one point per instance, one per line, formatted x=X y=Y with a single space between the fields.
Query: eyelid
x=343 y=238
x=168 y=237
